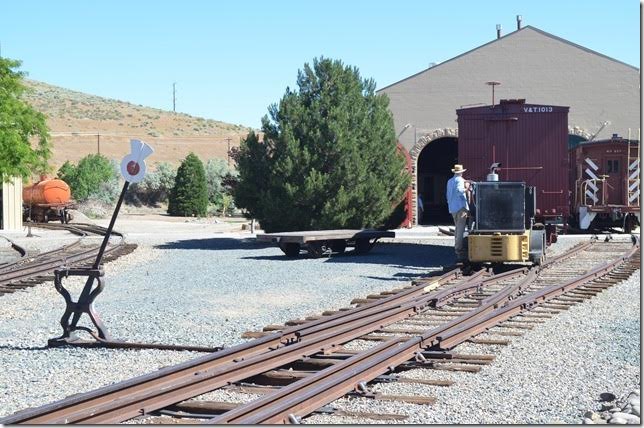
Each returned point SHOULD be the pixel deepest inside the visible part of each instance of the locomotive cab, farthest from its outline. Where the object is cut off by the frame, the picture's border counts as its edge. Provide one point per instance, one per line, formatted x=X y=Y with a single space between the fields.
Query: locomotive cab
x=503 y=228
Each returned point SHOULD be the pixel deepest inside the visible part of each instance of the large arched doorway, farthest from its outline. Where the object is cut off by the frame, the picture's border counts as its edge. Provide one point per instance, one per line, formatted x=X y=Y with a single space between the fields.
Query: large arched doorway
x=434 y=167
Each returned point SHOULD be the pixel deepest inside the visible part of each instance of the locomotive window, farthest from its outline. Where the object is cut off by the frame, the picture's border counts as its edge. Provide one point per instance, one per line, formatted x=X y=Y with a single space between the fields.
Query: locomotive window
x=613 y=166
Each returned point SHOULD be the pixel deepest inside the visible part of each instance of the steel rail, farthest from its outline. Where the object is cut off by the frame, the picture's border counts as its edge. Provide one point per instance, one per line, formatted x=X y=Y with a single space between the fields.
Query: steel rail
x=21 y=250
x=180 y=385
x=40 y=268
x=444 y=297
x=77 y=228
x=25 y=263
x=228 y=356
x=119 y=402
x=45 y=262
x=322 y=388
x=304 y=396
x=451 y=338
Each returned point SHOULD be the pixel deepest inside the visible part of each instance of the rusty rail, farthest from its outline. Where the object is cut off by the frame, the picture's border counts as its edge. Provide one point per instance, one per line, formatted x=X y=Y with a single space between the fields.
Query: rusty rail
x=306 y=395
x=20 y=250
x=44 y=263
x=119 y=402
x=147 y=393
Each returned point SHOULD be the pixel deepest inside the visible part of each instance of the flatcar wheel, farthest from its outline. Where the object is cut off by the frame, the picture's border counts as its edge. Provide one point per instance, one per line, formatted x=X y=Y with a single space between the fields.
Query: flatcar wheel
x=317 y=249
x=362 y=246
x=338 y=245
x=291 y=249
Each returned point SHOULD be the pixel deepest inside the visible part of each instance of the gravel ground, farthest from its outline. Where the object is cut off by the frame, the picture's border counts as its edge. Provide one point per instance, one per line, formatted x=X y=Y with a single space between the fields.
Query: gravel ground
x=180 y=287
x=205 y=291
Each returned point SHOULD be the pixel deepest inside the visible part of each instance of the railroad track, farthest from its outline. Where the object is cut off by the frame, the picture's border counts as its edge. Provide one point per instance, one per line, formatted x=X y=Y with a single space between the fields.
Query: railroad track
x=301 y=366
x=31 y=270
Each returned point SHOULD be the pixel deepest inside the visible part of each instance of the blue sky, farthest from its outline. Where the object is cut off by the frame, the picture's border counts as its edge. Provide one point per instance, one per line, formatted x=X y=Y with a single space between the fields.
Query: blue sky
x=232 y=59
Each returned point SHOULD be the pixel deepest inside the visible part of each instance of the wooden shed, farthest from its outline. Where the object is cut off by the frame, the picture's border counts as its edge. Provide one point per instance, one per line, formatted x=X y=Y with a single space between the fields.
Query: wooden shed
x=11 y=204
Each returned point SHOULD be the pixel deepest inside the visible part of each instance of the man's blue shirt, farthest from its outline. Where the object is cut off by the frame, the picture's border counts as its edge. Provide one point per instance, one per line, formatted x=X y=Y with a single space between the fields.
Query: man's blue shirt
x=456 y=194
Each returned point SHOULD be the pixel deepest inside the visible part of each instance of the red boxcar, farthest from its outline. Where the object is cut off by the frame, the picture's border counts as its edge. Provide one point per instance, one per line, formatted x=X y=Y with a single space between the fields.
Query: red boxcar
x=605 y=180
x=531 y=143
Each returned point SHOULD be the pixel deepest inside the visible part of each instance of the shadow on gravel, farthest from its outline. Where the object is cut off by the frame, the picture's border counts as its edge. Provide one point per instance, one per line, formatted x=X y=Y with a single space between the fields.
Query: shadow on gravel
x=215 y=244
x=404 y=256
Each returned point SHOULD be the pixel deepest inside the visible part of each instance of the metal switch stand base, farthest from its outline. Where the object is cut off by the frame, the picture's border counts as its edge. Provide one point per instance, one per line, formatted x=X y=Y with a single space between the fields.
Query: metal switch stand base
x=84 y=305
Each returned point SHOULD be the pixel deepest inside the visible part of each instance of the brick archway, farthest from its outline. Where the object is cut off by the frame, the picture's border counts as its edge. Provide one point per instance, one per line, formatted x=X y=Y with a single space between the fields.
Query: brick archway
x=415 y=151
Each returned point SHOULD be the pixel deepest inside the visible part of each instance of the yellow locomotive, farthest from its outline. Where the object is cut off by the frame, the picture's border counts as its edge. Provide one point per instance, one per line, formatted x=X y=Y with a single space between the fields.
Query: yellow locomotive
x=503 y=229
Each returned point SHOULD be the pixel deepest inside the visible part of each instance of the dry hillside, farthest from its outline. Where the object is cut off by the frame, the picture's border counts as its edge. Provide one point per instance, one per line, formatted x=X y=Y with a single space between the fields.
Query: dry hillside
x=80 y=123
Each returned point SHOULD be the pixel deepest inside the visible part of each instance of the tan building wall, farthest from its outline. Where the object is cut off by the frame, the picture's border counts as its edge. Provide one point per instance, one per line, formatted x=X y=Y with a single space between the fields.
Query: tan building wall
x=11 y=205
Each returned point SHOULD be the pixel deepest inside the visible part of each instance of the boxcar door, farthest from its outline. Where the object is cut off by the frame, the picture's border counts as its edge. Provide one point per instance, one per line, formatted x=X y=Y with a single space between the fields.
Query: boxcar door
x=614 y=167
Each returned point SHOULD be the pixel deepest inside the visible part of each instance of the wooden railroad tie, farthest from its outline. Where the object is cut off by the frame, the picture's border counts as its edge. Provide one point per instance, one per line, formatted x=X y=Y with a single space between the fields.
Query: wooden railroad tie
x=527 y=321
x=561 y=306
x=379 y=338
x=255 y=334
x=368 y=415
x=518 y=325
x=482 y=341
x=537 y=316
x=415 y=399
x=505 y=333
x=568 y=299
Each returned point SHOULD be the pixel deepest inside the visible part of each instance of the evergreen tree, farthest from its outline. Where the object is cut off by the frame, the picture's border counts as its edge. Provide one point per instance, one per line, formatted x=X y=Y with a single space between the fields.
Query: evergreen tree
x=19 y=124
x=189 y=196
x=328 y=157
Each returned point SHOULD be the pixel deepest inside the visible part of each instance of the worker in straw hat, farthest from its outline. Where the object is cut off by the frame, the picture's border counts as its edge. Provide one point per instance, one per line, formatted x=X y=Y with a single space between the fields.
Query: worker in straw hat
x=457 y=202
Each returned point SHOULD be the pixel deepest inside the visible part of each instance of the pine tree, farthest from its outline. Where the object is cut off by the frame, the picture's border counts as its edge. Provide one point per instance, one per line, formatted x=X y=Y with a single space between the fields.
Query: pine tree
x=328 y=157
x=189 y=196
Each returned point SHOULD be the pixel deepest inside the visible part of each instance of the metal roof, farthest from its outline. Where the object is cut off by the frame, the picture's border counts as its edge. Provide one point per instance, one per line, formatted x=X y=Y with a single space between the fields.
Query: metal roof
x=545 y=33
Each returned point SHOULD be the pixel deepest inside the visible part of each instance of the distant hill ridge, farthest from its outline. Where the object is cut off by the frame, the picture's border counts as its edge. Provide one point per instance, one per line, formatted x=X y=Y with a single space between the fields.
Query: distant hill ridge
x=81 y=123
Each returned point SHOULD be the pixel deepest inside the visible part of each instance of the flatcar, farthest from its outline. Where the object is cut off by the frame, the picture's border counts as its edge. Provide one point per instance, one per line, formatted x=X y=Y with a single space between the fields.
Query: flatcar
x=605 y=178
x=47 y=199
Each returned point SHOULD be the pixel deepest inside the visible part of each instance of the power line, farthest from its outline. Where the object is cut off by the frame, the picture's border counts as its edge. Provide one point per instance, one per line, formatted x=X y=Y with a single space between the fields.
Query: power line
x=174 y=97
x=219 y=138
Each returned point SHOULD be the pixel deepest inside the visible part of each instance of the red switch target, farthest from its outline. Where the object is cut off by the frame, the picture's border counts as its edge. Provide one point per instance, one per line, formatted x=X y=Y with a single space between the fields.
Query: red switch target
x=133 y=167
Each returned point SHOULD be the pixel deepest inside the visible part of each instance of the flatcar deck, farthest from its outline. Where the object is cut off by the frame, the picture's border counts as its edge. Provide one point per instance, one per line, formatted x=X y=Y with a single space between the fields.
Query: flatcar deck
x=324 y=242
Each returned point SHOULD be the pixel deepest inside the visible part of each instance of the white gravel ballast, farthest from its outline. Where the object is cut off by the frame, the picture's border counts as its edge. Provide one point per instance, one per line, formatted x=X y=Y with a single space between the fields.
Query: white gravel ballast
x=209 y=291
x=193 y=291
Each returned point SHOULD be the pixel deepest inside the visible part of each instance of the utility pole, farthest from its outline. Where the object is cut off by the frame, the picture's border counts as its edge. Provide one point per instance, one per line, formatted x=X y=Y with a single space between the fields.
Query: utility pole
x=174 y=97
x=228 y=152
x=493 y=84
x=98 y=141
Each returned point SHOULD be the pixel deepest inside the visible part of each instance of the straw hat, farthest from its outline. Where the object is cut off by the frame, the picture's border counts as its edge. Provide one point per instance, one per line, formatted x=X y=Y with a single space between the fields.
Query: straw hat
x=458 y=168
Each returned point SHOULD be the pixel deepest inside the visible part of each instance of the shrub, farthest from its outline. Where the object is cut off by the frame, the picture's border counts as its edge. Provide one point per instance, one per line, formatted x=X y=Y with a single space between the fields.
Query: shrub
x=217 y=172
x=94 y=176
x=155 y=187
x=189 y=196
x=328 y=158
